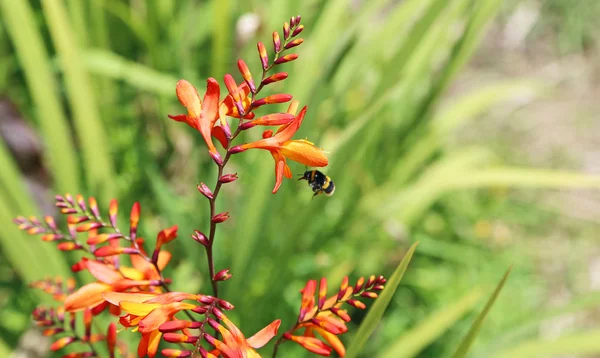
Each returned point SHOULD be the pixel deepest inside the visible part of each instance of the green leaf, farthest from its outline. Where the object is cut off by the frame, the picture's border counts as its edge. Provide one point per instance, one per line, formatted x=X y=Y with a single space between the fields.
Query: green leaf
x=92 y=137
x=466 y=343
x=111 y=65
x=376 y=312
x=19 y=20
x=581 y=343
x=415 y=340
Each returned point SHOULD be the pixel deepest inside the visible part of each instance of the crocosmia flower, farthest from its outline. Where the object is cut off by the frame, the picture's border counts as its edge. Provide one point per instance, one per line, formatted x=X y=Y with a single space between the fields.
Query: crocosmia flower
x=282 y=147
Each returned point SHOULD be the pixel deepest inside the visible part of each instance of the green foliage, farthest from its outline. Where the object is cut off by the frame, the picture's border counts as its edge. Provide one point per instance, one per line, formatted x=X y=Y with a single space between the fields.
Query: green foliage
x=96 y=79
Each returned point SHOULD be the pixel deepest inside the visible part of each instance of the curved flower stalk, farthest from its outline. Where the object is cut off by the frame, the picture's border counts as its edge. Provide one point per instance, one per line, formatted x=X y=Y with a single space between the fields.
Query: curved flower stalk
x=128 y=280
x=326 y=316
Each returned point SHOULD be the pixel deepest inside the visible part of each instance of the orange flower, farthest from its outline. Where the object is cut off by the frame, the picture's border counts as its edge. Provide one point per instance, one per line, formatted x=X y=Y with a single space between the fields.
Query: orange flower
x=282 y=146
x=142 y=275
x=146 y=312
x=234 y=344
x=201 y=116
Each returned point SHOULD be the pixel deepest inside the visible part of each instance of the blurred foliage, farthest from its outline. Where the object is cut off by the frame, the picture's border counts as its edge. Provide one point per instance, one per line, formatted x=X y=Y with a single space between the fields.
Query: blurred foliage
x=96 y=79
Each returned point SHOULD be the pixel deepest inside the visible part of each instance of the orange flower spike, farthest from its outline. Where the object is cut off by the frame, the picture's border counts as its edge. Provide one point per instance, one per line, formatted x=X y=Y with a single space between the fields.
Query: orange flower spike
x=134 y=219
x=234 y=343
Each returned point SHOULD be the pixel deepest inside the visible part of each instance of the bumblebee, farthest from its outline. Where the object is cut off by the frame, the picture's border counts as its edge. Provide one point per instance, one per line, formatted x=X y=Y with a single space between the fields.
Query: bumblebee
x=318 y=182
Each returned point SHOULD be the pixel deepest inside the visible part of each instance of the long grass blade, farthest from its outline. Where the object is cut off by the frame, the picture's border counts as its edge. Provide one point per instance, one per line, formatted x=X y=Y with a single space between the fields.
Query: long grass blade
x=415 y=340
x=579 y=344
x=19 y=20
x=466 y=343
x=376 y=312
x=111 y=65
x=90 y=132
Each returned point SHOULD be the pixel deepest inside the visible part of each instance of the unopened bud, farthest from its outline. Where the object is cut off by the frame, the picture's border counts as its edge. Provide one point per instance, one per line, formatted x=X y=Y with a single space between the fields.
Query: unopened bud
x=222 y=275
x=204 y=190
x=280 y=76
x=262 y=52
x=286 y=58
x=200 y=237
x=228 y=178
x=294 y=43
x=236 y=149
x=298 y=30
x=276 y=42
x=220 y=217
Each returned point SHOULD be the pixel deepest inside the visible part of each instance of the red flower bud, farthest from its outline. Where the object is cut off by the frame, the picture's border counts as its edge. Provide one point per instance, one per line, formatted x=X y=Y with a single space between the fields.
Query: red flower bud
x=200 y=237
x=228 y=178
x=280 y=76
x=276 y=98
x=296 y=42
x=219 y=218
x=204 y=190
x=222 y=275
x=276 y=41
x=245 y=71
x=236 y=149
x=286 y=58
x=298 y=30
x=68 y=246
x=262 y=52
x=286 y=30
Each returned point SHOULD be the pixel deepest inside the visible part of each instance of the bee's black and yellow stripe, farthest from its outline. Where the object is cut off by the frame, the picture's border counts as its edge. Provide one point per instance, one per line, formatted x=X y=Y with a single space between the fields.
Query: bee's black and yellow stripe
x=328 y=186
x=319 y=182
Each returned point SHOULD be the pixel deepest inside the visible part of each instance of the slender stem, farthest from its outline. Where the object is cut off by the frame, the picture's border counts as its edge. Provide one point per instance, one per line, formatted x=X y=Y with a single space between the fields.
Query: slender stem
x=213 y=226
x=276 y=348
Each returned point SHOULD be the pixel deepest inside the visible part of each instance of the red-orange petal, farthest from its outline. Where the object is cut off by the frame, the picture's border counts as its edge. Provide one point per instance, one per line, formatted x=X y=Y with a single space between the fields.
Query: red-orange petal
x=189 y=98
x=312 y=344
x=89 y=295
x=279 y=169
x=263 y=336
x=103 y=272
x=304 y=152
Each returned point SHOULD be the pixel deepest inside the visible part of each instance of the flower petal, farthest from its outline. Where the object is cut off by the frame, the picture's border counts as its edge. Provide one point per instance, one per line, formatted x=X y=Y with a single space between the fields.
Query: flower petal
x=209 y=114
x=280 y=166
x=137 y=308
x=89 y=295
x=160 y=314
x=303 y=151
x=189 y=98
x=103 y=272
x=163 y=259
x=263 y=336
x=285 y=133
x=116 y=297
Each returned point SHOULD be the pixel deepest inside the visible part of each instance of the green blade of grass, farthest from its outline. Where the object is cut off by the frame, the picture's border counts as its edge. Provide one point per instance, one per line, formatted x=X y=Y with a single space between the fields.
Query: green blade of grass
x=24 y=252
x=466 y=343
x=111 y=65
x=91 y=134
x=415 y=340
x=376 y=312
x=579 y=344
x=19 y=20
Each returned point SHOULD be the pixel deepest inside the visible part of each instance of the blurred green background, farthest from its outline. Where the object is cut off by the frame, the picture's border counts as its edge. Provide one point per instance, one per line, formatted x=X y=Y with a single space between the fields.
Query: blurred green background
x=468 y=125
